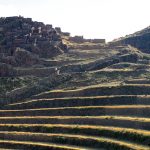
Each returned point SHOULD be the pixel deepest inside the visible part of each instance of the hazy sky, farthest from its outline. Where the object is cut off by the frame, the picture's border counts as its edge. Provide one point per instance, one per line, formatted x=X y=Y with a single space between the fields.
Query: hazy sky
x=107 y=19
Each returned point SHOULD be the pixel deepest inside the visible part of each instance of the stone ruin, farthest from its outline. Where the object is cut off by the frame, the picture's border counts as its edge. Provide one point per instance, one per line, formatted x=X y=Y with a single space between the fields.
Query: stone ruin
x=81 y=39
x=58 y=30
x=66 y=34
x=32 y=36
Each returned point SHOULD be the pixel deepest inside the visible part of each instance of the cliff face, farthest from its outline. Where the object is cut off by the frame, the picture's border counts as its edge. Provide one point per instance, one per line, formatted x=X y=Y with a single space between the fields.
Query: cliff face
x=31 y=36
x=140 y=40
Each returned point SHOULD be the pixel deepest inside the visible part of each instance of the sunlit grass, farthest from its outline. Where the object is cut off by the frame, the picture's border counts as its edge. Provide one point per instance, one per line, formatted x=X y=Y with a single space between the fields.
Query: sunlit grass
x=82 y=140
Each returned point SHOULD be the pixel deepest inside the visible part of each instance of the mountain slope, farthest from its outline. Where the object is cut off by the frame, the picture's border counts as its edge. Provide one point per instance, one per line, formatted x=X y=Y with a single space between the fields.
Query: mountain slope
x=140 y=40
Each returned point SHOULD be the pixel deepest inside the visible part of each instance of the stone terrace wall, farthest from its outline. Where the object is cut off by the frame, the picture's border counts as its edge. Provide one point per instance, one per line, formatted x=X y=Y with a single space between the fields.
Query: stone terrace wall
x=80 y=39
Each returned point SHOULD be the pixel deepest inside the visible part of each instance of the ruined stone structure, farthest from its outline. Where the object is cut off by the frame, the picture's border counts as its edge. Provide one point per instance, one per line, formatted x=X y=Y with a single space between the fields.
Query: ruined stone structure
x=77 y=39
x=98 y=40
x=80 y=39
x=58 y=30
x=65 y=33
x=23 y=43
x=32 y=36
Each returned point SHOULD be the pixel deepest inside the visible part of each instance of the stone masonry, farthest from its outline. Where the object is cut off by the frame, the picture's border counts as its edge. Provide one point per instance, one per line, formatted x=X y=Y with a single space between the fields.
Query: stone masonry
x=33 y=36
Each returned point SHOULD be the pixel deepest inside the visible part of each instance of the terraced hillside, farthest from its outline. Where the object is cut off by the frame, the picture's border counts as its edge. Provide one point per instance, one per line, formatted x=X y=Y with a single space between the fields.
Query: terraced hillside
x=106 y=116
x=94 y=122
x=99 y=101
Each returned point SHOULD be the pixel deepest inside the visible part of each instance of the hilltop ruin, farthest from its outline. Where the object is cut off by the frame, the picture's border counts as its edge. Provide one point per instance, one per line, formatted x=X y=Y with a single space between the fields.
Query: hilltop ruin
x=33 y=36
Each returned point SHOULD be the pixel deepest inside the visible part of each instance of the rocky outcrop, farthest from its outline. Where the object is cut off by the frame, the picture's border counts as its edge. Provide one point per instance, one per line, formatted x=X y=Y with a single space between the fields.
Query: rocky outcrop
x=140 y=40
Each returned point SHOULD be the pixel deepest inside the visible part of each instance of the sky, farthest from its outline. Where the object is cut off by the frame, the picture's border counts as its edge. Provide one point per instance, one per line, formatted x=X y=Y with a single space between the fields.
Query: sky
x=108 y=19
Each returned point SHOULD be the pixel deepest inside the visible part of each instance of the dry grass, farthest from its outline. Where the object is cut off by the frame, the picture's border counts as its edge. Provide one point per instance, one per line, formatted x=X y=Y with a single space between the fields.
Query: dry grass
x=89 y=141
x=33 y=145
x=108 y=85
x=82 y=107
x=140 y=119
x=31 y=102
x=110 y=128
x=140 y=136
